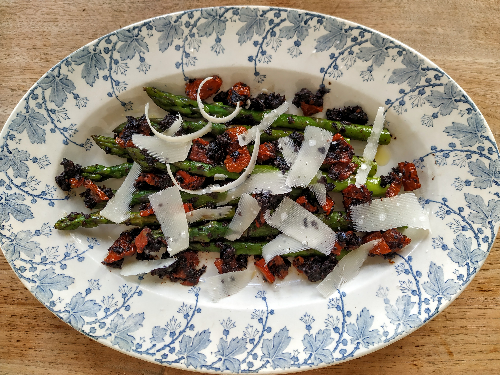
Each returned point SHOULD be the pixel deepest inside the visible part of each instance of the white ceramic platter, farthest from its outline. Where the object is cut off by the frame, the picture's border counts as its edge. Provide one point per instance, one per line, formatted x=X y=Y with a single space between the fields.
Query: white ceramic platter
x=265 y=328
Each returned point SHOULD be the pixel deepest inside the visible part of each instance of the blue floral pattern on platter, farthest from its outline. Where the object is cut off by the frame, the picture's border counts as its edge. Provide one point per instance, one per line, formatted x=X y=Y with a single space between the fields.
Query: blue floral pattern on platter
x=462 y=156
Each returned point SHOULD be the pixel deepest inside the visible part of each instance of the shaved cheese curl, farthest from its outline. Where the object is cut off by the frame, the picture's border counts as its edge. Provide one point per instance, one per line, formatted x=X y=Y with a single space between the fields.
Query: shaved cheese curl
x=295 y=221
x=387 y=213
x=281 y=245
x=163 y=151
x=206 y=116
x=208 y=214
x=346 y=270
x=118 y=208
x=310 y=157
x=266 y=122
x=227 y=284
x=135 y=267
x=174 y=127
x=169 y=210
x=371 y=148
x=181 y=139
x=247 y=211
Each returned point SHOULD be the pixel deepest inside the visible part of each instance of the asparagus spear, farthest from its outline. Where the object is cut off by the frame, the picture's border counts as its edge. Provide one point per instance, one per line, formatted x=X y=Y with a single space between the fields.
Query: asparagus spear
x=189 y=108
x=99 y=172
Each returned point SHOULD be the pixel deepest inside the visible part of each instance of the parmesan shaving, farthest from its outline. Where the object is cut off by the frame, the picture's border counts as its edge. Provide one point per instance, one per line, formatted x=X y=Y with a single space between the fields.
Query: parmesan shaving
x=319 y=190
x=387 y=213
x=227 y=284
x=265 y=123
x=169 y=210
x=135 y=267
x=208 y=214
x=346 y=270
x=174 y=127
x=118 y=208
x=206 y=116
x=295 y=221
x=219 y=177
x=247 y=211
x=371 y=147
x=310 y=157
x=281 y=245
x=287 y=148
x=166 y=153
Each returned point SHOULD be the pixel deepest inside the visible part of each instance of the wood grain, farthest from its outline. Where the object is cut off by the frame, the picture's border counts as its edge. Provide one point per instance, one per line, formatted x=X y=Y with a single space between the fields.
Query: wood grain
x=461 y=36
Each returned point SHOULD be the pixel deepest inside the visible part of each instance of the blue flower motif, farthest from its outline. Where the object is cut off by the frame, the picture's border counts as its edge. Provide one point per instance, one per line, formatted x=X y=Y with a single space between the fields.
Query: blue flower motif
x=191 y=347
x=10 y=204
x=253 y=24
x=316 y=346
x=47 y=281
x=412 y=74
x=15 y=160
x=360 y=332
x=228 y=351
x=77 y=308
x=462 y=253
x=169 y=31
x=336 y=36
x=21 y=243
x=469 y=134
x=92 y=62
x=445 y=100
x=133 y=42
x=274 y=350
x=32 y=122
x=437 y=286
x=299 y=28
x=377 y=53
x=482 y=214
x=485 y=176
x=215 y=22
x=121 y=327
x=401 y=313
x=60 y=86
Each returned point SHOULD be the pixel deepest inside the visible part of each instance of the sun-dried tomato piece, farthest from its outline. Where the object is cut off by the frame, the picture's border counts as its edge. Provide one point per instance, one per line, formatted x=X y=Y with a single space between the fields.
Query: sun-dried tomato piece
x=278 y=266
x=89 y=184
x=262 y=267
x=240 y=92
x=267 y=151
x=310 y=109
x=183 y=270
x=410 y=176
x=394 y=188
x=232 y=134
x=328 y=206
x=302 y=200
x=123 y=246
x=93 y=195
x=395 y=239
x=189 y=181
x=380 y=248
x=341 y=171
x=260 y=220
x=147 y=211
x=188 y=207
x=209 y=88
x=337 y=248
x=76 y=182
x=310 y=103
x=353 y=195
x=237 y=160
x=157 y=180
x=199 y=151
x=229 y=261
x=142 y=240
x=339 y=151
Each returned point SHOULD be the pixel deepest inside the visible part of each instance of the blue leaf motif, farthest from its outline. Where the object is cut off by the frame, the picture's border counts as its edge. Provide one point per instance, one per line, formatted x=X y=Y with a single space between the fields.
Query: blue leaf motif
x=227 y=352
x=482 y=214
x=133 y=42
x=32 y=122
x=60 y=86
x=401 y=313
x=445 y=101
x=485 y=176
x=10 y=204
x=169 y=31
x=469 y=134
x=21 y=243
x=121 y=327
x=15 y=160
x=462 y=253
x=92 y=62
x=336 y=36
x=412 y=73
x=191 y=347
x=360 y=332
x=158 y=334
x=316 y=345
x=47 y=281
x=253 y=24
x=378 y=52
x=297 y=20
x=77 y=308
x=274 y=350
x=215 y=22
x=436 y=286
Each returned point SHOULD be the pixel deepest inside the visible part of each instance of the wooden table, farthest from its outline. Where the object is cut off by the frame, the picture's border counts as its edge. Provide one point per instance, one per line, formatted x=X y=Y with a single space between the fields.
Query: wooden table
x=461 y=36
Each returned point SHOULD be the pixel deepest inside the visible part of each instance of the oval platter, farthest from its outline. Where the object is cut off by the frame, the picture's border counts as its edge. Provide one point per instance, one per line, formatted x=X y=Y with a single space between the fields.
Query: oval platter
x=265 y=328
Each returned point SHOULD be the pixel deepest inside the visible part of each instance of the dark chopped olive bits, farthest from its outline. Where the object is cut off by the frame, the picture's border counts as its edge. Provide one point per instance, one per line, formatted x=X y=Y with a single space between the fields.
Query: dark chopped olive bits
x=183 y=270
x=310 y=103
x=229 y=261
x=353 y=195
x=134 y=126
x=315 y=267
x=266 y=101
x=354 y=115
x=158 y=180
x=71 y=171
